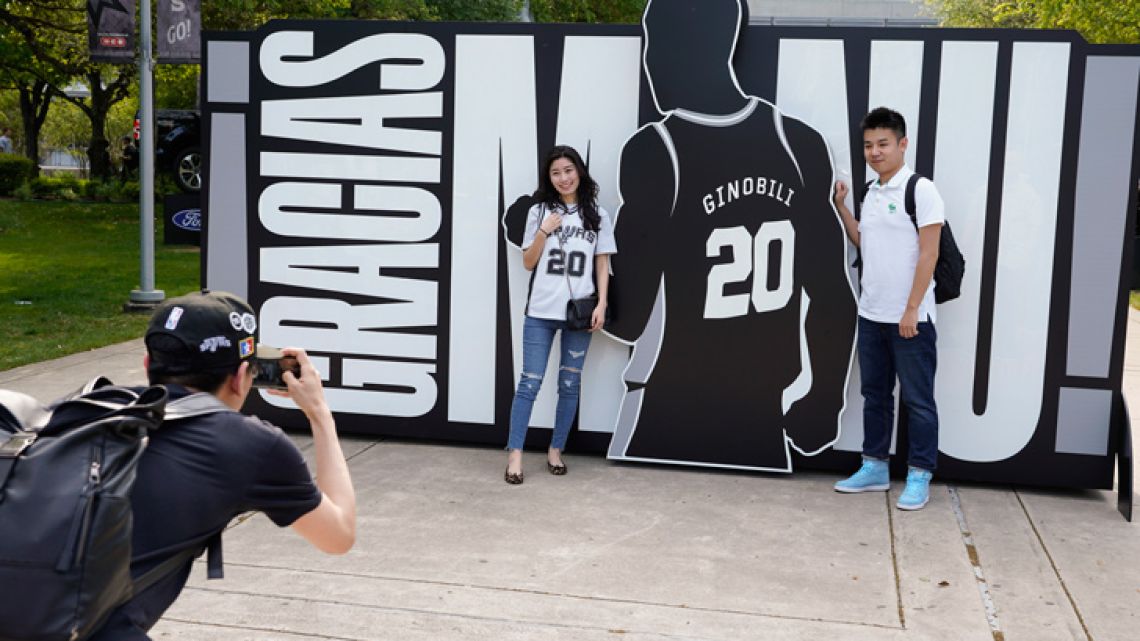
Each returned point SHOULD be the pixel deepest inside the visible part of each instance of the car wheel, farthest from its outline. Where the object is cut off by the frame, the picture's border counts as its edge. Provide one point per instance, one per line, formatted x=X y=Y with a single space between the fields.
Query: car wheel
x=188 y=170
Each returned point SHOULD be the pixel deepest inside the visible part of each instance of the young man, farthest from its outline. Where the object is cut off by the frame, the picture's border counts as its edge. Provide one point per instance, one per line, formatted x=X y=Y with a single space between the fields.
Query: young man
x=199 y=473
x=896 y=310
x=6 y=141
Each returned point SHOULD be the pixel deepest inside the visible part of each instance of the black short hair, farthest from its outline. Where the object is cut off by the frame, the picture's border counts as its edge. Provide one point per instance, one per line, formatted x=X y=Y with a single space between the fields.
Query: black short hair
x=167 y=359
x=884 y=118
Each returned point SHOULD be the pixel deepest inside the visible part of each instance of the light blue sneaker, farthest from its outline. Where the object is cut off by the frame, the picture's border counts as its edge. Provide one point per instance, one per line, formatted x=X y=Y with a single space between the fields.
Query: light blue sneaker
x=873 y=476
x=917 y=491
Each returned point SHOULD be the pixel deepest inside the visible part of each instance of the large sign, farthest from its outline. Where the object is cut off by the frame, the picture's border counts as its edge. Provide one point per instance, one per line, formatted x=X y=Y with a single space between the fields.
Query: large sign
x=359 y=178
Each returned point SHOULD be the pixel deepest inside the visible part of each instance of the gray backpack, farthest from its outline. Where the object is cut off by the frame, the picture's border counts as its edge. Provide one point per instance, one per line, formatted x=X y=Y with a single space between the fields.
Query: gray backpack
x=66 y=474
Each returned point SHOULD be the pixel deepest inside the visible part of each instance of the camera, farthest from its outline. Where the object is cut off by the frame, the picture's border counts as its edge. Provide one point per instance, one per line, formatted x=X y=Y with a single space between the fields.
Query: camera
x=269 y=365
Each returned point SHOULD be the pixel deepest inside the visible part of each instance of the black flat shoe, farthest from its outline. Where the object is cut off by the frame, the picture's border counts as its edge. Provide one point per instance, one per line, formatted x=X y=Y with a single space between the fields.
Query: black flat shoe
x=556 y=470
x=516 y=479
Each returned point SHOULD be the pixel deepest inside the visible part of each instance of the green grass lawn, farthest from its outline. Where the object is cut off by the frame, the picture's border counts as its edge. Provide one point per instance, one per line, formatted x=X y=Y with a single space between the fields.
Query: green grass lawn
x=66 y=269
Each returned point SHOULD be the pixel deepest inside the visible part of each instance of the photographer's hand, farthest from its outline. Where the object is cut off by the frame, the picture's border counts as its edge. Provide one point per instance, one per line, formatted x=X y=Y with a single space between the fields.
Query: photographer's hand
x=306 y=391
x=331 y=526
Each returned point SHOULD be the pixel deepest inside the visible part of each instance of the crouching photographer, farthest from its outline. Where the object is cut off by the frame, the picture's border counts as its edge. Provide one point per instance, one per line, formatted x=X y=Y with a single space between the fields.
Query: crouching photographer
x=197 y=474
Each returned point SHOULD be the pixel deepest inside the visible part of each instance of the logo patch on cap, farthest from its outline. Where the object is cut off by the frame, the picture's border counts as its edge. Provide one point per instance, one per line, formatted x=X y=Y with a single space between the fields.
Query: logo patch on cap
x=248 y=323
x=172 y=320
x=212 y=344
x=245 y=347
x=235 y=320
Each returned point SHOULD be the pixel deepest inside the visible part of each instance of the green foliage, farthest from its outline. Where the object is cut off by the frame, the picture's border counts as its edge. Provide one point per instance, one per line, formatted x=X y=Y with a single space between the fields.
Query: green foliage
x=14 y=171
x=606 y=11
x=175 y=87
x=24 y=192
x=55 y=187
x=484 y=11
x=65 y=271
x=68 y=187
x=250 y=14
x=1099 y=21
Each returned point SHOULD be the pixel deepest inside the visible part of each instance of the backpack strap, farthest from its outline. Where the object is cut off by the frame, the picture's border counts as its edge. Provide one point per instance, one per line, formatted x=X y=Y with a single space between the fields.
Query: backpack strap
x=909 y=199
x=21 y=412
x=194 y=405
x=197 y=404
x=863 y=197
x=213 y=547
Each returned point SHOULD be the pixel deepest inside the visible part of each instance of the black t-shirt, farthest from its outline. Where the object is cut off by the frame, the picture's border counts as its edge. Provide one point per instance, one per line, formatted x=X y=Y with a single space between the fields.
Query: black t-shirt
x=194 y=478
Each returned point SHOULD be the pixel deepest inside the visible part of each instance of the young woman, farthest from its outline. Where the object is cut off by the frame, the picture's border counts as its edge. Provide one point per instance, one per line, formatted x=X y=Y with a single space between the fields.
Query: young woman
x=566 y=233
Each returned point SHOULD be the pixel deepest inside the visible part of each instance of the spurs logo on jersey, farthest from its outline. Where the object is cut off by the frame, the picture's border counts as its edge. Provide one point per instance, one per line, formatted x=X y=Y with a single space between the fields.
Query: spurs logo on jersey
x=718 y=350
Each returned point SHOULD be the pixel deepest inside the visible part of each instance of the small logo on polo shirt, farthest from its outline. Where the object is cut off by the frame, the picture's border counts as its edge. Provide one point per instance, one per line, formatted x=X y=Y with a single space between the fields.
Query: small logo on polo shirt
x=891 y=208
x=245 y=347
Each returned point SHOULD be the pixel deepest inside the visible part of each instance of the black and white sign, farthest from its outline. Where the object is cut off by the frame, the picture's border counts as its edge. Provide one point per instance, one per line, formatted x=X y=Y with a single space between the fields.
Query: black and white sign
x=358 y=174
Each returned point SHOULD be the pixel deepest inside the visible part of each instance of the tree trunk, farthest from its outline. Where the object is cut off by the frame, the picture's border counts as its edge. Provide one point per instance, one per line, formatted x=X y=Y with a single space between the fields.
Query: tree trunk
x=34 y=103
x=98 y=151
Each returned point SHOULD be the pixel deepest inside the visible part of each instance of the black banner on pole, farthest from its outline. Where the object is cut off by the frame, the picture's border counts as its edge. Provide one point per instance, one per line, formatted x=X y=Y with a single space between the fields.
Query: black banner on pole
x=111 y=30
x=179 y=26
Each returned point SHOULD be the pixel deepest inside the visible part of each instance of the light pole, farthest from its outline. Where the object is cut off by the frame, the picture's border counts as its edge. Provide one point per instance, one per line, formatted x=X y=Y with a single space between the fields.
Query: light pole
x=146 y=296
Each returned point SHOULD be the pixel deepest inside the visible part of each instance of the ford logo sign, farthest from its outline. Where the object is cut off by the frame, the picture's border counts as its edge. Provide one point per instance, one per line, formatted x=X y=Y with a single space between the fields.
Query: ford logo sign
x=188 y=219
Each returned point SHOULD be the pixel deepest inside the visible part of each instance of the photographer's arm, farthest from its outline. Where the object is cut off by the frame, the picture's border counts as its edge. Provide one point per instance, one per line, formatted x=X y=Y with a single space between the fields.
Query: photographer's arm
x=331 y=526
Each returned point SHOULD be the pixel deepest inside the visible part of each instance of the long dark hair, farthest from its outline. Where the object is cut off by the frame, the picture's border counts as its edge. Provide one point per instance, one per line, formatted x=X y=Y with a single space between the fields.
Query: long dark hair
x=587 y=188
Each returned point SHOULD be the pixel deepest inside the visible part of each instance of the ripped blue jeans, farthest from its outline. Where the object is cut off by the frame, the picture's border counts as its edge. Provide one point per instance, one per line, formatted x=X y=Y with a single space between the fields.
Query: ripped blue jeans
x=538 y=336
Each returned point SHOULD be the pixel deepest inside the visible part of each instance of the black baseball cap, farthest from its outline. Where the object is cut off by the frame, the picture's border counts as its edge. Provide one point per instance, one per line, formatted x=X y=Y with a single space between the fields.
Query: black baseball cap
x=201 y=331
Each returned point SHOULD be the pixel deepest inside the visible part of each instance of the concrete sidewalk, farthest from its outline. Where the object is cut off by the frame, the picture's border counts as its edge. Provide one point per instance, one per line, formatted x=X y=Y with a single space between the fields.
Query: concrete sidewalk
x=447 y=551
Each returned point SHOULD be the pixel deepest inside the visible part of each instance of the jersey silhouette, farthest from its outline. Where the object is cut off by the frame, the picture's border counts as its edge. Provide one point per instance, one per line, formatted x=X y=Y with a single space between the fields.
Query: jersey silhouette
x=734 y=289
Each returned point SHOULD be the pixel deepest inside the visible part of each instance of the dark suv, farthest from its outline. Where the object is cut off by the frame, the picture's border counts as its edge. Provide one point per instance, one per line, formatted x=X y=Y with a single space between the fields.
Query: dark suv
x=177 y=146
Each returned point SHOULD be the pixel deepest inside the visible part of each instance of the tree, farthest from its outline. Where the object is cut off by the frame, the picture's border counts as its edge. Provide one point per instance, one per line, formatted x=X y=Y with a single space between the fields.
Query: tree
x=485 y=11
x=1099 y=21
x=608 y=11
x=55 y=34
x=31 y=79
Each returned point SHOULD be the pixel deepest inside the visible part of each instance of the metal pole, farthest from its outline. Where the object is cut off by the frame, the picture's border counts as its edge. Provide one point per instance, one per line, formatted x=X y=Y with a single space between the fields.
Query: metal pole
x=146 y=296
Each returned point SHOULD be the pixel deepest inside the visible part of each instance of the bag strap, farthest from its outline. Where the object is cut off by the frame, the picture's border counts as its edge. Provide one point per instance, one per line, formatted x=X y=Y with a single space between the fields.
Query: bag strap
x=197 y=404
x=909 y=199
x=213 y=548
x=863 y=198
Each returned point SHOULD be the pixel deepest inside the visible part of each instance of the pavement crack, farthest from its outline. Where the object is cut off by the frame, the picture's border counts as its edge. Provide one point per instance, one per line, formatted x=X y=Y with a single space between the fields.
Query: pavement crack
x=1053 y=565
x=976 y=564
x=255 y=628
x=895 y=561
x=534 y=592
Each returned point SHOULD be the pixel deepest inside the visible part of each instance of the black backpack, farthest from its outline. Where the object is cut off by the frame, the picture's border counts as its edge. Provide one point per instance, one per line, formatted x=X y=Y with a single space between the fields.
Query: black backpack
x=66 y=474
x=951 y=265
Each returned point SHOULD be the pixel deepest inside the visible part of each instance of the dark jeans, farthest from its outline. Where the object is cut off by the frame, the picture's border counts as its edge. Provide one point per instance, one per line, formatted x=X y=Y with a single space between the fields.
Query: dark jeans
x=883 y=354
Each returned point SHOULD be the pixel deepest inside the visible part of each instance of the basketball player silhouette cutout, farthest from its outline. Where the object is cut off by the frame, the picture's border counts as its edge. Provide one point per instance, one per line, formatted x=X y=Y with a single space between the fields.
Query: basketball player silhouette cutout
x=733 y=281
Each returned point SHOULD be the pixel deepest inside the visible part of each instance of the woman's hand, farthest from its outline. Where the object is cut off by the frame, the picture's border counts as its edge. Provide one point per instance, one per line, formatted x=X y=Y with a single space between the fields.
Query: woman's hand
x=598 y=319
x=551 y=224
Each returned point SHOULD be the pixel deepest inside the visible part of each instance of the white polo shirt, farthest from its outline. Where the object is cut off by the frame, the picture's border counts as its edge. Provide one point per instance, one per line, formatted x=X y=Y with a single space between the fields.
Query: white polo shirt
x=889 y=246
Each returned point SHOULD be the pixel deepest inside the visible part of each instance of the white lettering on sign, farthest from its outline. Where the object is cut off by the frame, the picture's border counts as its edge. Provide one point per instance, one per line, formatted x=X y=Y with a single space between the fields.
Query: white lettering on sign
x=370 y=342
x=394 y=76
x=180 y=30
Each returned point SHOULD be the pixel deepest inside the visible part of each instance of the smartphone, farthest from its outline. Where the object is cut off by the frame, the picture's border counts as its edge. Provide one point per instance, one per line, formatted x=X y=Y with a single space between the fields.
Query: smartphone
x=269 y=365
